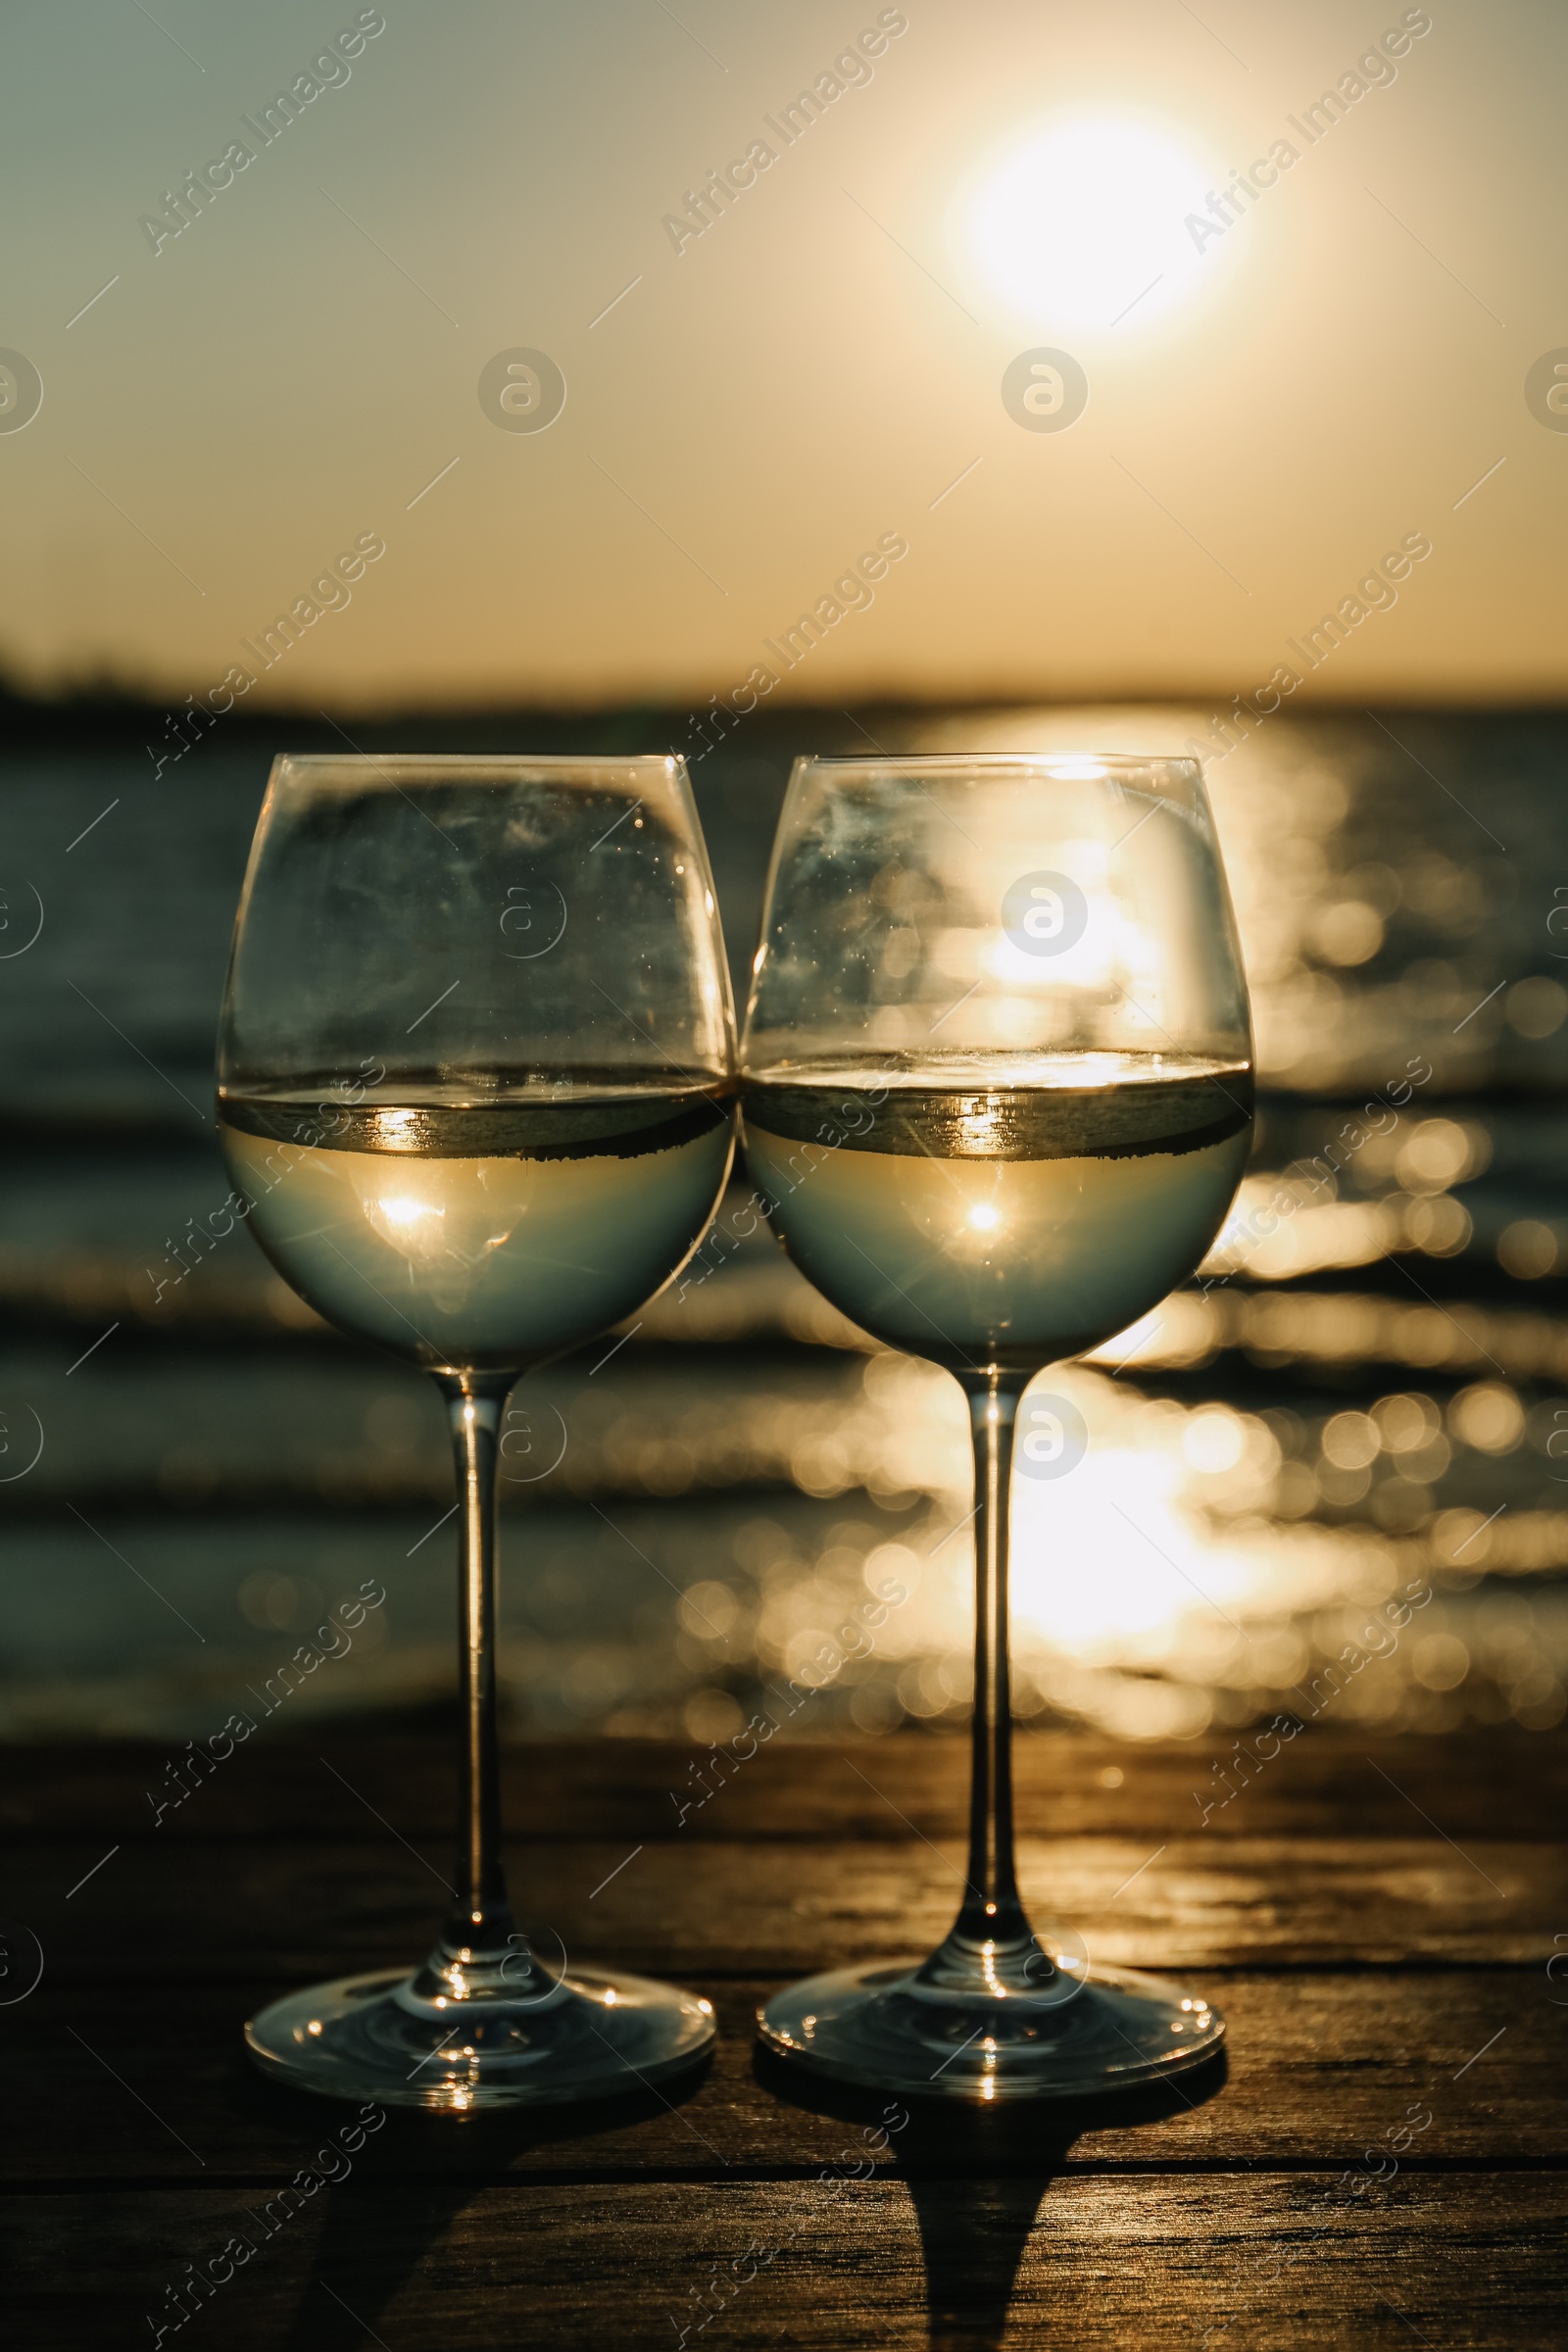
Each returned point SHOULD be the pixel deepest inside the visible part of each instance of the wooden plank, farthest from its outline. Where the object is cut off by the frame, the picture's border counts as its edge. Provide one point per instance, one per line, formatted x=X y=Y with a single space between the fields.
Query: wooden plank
x=1327 y=1782
x=1318 y=2070
x=1098 y=2263
x=186 y=1912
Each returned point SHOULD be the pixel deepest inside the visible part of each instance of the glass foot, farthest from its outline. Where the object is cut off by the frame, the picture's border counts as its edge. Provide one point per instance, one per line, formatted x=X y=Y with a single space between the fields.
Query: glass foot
x=593 y=2034
x=1071 y=2031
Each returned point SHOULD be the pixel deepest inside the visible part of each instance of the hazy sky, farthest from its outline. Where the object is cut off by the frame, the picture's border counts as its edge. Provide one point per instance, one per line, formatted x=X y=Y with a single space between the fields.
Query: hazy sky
x=1275 y=400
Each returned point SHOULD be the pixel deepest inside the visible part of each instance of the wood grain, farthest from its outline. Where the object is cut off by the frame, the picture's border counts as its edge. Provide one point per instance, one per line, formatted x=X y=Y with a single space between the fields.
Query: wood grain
x=1328 y=1780
x=184 y=1914
x=1098 y=2264
x=1375 y=1918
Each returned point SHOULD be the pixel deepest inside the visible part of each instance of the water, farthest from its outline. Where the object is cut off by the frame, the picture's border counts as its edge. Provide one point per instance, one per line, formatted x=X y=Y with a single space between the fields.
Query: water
x=1363 y=1396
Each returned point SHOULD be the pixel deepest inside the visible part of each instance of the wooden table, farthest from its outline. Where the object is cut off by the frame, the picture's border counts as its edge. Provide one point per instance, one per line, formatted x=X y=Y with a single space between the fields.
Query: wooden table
x=1380 y=2161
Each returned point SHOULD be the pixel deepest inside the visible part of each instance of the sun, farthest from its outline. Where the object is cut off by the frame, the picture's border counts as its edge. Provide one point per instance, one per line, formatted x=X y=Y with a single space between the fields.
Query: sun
x=1082 y=225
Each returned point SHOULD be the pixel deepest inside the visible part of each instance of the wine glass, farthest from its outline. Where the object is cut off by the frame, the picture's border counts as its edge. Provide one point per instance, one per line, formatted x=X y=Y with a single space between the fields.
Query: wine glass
x=996 y=1092
x=476 y=1095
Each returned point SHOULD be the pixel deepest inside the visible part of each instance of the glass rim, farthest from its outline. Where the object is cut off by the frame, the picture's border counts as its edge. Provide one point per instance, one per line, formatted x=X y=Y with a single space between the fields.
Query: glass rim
x=921 y=760
x=547 y=761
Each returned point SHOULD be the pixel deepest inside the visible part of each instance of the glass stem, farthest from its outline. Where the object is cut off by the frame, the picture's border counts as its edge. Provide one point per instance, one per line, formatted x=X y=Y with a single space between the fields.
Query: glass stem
x=990 y=1940
x=992 y=1911
x=480 y=1954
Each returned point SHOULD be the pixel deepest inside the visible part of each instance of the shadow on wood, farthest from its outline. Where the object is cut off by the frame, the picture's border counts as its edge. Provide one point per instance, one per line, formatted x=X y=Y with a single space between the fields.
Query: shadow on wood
x=977 y=2176
x=363 y=2258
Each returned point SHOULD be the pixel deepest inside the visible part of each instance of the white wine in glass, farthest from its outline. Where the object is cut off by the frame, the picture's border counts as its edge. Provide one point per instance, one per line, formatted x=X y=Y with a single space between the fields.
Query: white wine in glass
x=1004 y=1208
x=445 y=1228
x=997 y=1091
x=475 y=1090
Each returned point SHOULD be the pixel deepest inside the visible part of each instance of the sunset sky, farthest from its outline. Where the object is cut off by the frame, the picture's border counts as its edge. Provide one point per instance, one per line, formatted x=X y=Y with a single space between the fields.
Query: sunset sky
x=1260 y=399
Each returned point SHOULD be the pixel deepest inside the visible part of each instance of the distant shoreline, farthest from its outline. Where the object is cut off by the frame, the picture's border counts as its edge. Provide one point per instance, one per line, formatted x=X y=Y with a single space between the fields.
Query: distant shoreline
x=111 y=714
